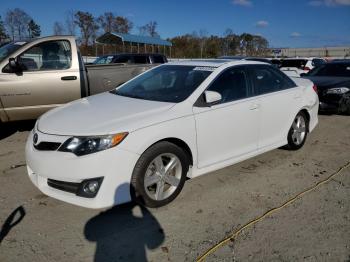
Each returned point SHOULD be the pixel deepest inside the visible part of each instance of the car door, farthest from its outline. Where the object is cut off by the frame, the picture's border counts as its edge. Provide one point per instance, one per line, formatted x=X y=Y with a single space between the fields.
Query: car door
x=229 y=129
x=279 y=100
x=46 y=79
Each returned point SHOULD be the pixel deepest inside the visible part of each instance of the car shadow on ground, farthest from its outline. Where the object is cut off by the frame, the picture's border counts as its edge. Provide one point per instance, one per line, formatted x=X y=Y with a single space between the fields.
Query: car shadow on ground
x=8 y=129
x=11 y=221
x=123 y=233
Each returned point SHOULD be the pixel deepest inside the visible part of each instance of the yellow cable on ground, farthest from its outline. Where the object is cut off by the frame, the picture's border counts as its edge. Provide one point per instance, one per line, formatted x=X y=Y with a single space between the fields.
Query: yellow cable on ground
x=271 y=211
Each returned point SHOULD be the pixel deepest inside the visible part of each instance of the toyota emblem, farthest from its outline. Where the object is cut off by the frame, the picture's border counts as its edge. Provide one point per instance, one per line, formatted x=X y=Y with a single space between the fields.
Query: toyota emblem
x=35 y=138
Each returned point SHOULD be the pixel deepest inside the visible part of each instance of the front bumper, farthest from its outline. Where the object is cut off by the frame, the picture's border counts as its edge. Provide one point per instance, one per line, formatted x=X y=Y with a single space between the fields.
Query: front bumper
x=115 y=165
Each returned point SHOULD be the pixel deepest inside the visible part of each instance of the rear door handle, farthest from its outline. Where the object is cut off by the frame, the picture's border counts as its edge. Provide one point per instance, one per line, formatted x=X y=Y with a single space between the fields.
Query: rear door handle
x=253 y=107
x=68 y=78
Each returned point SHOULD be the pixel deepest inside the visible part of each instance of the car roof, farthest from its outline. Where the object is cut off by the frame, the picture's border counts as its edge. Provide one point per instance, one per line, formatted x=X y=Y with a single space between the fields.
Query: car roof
x=345 y=61
x=214 y=62
x=302 y=58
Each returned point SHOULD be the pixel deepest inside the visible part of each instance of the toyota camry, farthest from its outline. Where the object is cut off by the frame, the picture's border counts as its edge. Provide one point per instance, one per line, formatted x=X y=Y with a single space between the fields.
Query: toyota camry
x=179 y=120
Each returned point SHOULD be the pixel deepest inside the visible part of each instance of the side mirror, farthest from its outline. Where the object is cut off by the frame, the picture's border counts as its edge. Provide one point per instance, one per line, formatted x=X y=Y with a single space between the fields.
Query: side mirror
x=14 y=65
x=212 y=97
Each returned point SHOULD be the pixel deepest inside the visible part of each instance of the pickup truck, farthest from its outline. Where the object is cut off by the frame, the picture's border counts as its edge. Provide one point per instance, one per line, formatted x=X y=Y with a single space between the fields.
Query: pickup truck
x=41 y=74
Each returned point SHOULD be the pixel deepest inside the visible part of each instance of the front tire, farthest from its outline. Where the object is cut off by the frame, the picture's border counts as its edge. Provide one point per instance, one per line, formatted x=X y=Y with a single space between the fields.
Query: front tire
x=344 y=105
x=159 y=175
x=298 y=132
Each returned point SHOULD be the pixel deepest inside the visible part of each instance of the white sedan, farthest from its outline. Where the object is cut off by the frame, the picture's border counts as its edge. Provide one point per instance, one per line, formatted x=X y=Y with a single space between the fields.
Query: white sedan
x=184 y=119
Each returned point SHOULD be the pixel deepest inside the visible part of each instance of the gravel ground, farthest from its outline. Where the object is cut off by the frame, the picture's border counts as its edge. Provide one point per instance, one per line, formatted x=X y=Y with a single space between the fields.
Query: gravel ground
x=316 y=227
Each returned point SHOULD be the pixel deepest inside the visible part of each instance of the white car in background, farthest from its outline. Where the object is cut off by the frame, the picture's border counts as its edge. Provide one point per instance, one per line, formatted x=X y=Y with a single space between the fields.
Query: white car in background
x=294 y=67
x=183 y=119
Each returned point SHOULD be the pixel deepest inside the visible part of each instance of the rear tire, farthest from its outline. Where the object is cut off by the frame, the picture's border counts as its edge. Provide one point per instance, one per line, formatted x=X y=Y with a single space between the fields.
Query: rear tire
x=298 y=132
x=159 y=175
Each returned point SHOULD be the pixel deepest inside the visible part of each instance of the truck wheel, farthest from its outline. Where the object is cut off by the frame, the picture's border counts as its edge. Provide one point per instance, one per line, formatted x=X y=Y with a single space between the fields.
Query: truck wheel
x=298 y=132
x=159 y=175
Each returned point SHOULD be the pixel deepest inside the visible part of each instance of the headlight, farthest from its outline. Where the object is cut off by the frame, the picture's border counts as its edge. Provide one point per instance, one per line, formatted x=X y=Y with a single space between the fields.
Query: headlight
x=87 y=145
x=338 y=90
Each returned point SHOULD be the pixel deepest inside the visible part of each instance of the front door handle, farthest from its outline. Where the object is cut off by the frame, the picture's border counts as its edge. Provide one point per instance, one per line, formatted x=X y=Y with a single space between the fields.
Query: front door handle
x=68 y=78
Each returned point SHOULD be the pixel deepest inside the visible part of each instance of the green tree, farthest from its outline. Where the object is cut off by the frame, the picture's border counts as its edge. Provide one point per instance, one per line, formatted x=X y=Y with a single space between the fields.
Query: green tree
x=33 y=29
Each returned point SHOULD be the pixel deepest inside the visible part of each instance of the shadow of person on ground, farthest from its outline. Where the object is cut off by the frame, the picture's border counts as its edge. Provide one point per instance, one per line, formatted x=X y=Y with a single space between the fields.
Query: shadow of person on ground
x=123 y=233
x=11 y=221
x=8 y=129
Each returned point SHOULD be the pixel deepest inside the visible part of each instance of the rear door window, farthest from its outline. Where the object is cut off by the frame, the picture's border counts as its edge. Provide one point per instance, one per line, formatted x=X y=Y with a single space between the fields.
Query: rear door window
x=158 y=59
x=141 y=59
x=123 y=59
x=267 y=79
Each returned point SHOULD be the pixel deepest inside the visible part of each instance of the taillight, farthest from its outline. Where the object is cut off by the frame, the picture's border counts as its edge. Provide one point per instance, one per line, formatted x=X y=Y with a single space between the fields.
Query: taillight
x=315 y=88
x=307 y=68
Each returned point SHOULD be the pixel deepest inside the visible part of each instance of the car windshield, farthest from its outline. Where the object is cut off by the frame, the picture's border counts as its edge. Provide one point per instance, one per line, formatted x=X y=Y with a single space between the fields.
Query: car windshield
x=332 y=69
x=8 y=49
x=168 y=83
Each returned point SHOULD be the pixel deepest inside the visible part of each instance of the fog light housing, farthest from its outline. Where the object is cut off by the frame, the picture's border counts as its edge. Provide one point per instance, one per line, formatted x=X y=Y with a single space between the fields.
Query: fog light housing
x=90 y=187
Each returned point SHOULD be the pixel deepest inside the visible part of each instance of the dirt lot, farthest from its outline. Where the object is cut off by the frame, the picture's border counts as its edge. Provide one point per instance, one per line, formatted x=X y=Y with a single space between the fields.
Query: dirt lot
x=314 y=228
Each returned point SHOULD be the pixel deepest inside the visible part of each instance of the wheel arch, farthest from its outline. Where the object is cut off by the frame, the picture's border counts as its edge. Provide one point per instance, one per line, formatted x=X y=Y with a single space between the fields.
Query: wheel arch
x=307 y=114
x=180 y=143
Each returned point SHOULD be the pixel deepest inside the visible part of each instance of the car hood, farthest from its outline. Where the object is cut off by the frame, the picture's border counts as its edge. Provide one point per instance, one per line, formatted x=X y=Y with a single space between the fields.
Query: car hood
x=323 y=82
x=102 y=114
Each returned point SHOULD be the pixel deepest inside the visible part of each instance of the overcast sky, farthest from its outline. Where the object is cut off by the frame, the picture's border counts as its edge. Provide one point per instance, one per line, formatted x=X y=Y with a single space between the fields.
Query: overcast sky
x=285 y=23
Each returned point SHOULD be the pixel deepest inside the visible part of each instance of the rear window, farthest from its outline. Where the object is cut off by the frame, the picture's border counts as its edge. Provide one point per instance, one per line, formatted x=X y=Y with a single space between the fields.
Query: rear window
x=335 y=69
x=318 y=62
x=298 y=63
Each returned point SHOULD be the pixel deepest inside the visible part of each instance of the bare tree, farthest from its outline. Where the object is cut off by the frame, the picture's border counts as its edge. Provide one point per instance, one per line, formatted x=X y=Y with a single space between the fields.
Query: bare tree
x=3 y=33
x=88 y=26
x=149 y=29
x=122 y=25
x=17 y=21
x=106 y=21
x=58 y=28
x=70 y=22
x=202 y=40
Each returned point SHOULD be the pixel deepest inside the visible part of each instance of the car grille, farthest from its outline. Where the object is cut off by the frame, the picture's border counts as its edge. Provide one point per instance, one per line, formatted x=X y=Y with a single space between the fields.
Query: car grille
x=64 y=186
x=47 y=146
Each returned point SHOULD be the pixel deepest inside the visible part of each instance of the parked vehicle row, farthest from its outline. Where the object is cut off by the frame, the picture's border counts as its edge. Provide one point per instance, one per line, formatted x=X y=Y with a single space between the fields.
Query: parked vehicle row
x=298 y=66
x=183 y=119
x=42 y=74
